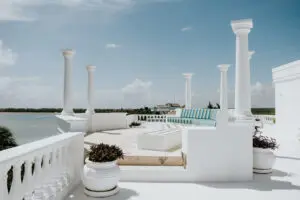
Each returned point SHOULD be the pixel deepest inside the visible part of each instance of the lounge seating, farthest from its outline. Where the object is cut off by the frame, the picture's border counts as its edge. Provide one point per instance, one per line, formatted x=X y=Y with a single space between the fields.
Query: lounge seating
x=160 y=140
x=202 y=117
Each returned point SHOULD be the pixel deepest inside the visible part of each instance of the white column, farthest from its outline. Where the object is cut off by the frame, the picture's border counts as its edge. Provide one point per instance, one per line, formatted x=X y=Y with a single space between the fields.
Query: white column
x=188 y=90
x=90 y=69
x=242 y=73
x=223 y=87
x=222 y=117
x=67 y=104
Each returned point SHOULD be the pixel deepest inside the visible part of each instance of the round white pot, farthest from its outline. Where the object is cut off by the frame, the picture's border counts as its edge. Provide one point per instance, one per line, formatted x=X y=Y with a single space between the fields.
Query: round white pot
x=101 y=179
x=263 y=160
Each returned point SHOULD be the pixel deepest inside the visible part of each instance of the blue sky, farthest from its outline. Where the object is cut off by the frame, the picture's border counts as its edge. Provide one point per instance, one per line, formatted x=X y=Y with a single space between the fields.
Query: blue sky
x=140 y=49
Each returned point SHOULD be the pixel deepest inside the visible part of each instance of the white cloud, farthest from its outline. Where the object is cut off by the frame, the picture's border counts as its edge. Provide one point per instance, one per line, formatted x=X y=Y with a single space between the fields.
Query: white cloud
x=7 y=56
x=112 y=46
x=188 y=28
x=262 y=95
x=27 y=92
x=33 y=93
x=22 y=10
x=137 y=86
x=137 y=93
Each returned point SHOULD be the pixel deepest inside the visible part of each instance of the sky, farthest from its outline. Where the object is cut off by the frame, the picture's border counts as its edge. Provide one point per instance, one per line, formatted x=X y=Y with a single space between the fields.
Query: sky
x=140 y=49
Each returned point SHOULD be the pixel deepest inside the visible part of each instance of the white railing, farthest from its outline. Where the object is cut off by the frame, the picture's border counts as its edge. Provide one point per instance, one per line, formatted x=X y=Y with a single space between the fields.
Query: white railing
x=267 y=119
x=45 y=169
x=151 y=118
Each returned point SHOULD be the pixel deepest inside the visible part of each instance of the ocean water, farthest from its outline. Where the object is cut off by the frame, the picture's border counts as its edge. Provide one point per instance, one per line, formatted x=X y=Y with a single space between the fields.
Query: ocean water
x=29 y=127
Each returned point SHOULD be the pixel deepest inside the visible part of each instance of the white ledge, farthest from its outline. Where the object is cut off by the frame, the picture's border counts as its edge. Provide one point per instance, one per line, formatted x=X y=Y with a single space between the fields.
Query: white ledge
x=286 y=72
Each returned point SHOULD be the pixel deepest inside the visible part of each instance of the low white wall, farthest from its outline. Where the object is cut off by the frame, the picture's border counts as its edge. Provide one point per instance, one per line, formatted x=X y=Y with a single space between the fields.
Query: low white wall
x=221 y=153
x=71 y=123
x=107 y=121
x=64 y=152
x=131 y=118
x=286 y=80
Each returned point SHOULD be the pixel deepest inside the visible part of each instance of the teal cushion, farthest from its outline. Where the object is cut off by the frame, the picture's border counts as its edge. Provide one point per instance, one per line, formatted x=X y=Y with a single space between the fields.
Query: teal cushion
x=192 y=113
x=189 y=113
x=184 y=113
x=207 y=122
x=198 y=114
x=213 y=114
x=207 y=114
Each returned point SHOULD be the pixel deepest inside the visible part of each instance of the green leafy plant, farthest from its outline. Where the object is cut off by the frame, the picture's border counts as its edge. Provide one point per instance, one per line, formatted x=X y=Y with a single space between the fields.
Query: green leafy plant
x=264 y=142
x=105 y=153
x=134 y=124
x=7 y=139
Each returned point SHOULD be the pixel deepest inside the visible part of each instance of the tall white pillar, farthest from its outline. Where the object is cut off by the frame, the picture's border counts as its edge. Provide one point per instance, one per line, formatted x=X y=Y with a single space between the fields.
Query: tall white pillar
x=90 y=69
x=188 y=90
x=67 y=103
x=223 y=114
x=242 y=73
x=223 y=87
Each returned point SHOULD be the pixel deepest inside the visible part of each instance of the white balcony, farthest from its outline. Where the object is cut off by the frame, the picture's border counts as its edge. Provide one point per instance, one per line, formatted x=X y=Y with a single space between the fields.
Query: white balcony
x=59 y=177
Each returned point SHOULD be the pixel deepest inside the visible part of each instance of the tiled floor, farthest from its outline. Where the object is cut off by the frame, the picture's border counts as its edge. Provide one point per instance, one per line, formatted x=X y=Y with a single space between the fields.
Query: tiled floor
x=284 y=183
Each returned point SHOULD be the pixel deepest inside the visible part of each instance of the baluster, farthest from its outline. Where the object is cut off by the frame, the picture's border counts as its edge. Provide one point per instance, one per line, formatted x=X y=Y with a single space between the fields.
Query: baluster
x=16 y=185
x=3 y=183
x=45 y=166
x=55 y=169
x=37 y=171
x=63 y=166
x=28 y=180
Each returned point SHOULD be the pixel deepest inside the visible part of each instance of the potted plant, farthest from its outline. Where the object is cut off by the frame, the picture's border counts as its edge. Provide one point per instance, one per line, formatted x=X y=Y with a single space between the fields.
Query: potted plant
x=134 y=124
x=263 y=152
x=101 y=173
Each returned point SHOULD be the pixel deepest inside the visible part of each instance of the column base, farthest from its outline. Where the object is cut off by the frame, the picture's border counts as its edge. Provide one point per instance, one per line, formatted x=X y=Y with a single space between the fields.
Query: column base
x=67 y=113
x=244 y=117
x=90 y=112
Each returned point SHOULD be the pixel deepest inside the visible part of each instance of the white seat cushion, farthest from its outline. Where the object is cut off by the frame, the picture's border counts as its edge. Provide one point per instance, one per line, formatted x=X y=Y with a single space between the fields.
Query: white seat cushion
x=159 y=141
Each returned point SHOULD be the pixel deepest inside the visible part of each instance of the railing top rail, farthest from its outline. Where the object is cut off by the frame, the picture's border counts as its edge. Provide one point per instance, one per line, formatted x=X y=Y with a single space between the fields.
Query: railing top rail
x=14 y=153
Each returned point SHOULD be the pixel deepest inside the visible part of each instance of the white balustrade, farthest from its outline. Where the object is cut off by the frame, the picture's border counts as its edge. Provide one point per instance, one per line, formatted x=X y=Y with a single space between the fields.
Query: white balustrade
x=267 y=119
x=151 y=118
x=45 y=169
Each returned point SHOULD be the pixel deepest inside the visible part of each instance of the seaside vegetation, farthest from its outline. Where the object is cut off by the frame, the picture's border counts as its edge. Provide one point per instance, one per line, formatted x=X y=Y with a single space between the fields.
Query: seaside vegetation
x=144 y=110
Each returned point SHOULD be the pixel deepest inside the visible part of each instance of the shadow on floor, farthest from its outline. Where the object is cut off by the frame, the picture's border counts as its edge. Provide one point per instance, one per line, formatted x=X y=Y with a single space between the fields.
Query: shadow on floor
x=123 y=194
x=261 y=182
x=287 y=157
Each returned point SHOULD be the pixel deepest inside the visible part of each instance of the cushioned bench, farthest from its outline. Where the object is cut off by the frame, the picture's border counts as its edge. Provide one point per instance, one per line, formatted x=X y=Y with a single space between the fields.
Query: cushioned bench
x=160 y=141
x=197 y=116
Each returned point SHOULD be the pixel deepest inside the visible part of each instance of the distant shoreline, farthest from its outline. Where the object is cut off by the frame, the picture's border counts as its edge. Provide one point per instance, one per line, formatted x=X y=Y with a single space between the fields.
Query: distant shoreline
x=145 y=110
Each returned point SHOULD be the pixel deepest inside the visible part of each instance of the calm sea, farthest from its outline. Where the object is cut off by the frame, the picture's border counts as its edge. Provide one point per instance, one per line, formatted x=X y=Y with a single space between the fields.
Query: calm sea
x=28 y=127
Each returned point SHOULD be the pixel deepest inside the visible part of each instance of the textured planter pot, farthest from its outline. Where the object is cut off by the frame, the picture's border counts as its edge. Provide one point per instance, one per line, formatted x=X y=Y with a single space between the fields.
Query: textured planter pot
x=263 y=160
x=101 y=179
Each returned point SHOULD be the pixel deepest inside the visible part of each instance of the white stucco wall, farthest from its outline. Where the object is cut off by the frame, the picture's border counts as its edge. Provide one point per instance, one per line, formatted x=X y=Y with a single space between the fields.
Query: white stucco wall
x=221 y=153
x=107 y=121
x=213 y=154
x=286 y=80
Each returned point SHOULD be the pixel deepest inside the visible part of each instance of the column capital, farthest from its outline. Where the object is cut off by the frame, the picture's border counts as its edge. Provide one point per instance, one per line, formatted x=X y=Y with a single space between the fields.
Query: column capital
x=241 y=26
x=223 y=67
x=68 y=53
x=188 y=75
x=251 y=54
x=91 y=68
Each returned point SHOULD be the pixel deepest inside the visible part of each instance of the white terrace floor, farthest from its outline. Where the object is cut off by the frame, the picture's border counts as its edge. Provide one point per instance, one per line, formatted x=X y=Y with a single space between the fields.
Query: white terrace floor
x=283 y=183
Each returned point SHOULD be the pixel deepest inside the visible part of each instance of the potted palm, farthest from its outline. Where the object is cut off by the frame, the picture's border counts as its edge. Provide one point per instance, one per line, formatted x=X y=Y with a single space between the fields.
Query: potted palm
x=101 y=173
x=263 y=152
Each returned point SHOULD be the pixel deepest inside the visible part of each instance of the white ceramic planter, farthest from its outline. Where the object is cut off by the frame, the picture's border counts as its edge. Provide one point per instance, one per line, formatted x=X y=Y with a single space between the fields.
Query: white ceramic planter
x=101 y=179
x=263 y=160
